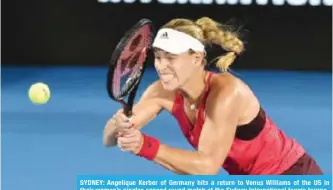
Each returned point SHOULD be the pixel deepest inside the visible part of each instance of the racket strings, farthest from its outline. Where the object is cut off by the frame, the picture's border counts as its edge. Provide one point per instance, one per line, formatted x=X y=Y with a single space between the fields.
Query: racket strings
x=131 y=61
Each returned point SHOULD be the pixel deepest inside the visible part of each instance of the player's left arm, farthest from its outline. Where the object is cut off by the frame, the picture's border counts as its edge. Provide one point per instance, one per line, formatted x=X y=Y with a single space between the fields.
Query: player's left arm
x=223 y=108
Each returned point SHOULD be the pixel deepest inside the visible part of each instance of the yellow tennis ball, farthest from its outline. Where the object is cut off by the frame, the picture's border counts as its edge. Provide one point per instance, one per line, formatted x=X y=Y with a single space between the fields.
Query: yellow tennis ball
x=39 y=93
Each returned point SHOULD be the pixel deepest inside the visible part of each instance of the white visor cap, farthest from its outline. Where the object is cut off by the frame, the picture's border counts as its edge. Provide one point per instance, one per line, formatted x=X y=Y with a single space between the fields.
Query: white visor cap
x=176 y=42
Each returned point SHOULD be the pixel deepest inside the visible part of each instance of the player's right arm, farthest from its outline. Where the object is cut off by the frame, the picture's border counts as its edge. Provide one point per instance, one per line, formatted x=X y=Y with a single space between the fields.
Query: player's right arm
x=145 y=110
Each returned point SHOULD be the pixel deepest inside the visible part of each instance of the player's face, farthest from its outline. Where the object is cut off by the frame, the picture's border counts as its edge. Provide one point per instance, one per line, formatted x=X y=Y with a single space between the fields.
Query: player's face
x=174 y=70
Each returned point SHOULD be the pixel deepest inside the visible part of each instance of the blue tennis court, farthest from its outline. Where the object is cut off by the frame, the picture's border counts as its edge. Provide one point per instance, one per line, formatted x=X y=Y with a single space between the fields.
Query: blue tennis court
x=45 y=147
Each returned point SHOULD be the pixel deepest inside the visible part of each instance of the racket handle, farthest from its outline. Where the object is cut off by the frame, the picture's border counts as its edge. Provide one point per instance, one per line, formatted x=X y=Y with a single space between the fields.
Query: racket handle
x=127 y=111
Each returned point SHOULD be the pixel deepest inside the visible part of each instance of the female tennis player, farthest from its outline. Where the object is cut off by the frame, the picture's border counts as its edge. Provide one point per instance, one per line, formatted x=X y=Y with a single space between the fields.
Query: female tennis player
x=217 y=113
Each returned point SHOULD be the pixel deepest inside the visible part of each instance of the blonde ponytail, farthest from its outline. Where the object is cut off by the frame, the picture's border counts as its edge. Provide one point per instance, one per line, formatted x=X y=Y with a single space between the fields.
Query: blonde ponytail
x=224 y=62
x=214 y=34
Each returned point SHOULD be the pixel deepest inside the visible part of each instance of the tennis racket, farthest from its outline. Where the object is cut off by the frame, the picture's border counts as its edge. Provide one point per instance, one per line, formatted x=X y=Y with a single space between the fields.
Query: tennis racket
x=128 y=63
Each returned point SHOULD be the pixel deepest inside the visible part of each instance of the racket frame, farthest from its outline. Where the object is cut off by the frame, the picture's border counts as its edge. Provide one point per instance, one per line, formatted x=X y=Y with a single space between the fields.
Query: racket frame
x=132 y=90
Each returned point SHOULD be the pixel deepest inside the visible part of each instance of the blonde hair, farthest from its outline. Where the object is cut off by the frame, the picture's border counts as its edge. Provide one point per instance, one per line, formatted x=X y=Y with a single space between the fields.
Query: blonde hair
x=210 y=32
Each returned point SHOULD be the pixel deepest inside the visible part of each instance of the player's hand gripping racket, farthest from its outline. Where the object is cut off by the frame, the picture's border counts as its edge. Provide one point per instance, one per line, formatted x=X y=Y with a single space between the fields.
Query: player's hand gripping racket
x=127 y=64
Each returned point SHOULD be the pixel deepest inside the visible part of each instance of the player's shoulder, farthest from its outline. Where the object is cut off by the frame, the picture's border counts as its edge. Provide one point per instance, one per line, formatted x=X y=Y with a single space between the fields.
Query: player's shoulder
x=226 y=82
x=228 y=86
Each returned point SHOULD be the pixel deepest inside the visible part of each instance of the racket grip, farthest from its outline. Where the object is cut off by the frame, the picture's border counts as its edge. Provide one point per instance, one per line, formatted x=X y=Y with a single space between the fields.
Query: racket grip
x=127 y=111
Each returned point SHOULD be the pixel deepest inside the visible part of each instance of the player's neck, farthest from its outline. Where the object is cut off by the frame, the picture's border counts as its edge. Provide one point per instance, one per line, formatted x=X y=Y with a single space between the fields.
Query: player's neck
x=194 y=88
